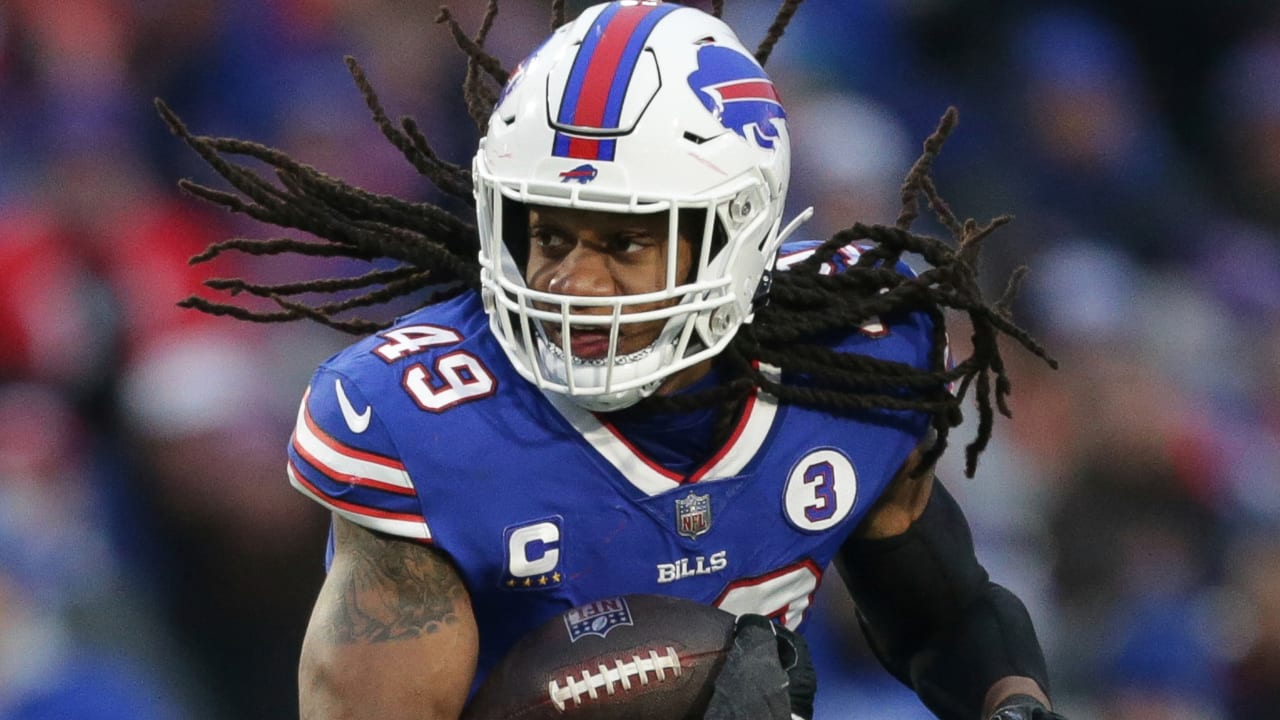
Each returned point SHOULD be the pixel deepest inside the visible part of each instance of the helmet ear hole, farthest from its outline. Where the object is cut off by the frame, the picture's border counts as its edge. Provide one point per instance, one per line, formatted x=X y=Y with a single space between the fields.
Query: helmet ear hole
x=693 y=223
x=515 y=231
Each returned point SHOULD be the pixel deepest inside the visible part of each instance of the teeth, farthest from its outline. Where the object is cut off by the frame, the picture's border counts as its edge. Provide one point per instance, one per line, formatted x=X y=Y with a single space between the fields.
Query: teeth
x=620 y=360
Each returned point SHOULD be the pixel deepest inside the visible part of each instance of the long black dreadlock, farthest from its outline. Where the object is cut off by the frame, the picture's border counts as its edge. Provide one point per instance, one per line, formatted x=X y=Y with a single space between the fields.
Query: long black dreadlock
x=435 y=248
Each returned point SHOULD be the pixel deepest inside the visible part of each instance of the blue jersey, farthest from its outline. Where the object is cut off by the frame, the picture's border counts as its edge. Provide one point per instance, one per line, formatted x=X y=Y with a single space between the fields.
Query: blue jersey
x=425 y=431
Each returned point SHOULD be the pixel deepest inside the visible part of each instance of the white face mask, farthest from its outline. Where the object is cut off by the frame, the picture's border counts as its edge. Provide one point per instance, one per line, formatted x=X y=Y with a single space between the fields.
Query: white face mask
x=600 y=373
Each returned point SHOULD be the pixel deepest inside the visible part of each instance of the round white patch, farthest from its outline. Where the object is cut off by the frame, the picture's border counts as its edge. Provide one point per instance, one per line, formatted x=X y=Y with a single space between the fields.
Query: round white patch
x=821 y=490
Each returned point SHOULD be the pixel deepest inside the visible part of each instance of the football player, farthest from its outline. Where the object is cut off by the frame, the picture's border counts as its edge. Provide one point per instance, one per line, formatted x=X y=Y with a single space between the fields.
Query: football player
x=645 y=385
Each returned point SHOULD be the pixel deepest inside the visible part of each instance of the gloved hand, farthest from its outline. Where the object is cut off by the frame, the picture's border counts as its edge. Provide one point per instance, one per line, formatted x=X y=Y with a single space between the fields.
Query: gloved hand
x=768 y=675
x=1024 y=707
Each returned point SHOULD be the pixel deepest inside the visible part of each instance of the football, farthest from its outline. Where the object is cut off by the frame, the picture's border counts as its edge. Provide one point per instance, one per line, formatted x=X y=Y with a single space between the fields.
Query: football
x=620 y=658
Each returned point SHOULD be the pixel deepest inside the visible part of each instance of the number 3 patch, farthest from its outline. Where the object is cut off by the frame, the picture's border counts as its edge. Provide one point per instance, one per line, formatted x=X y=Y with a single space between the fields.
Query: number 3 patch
x=821 y=490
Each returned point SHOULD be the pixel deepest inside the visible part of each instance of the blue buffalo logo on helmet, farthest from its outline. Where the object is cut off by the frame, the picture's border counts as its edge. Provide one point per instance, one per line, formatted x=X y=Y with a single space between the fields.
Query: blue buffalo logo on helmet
x=582 y=174
x=738 y=93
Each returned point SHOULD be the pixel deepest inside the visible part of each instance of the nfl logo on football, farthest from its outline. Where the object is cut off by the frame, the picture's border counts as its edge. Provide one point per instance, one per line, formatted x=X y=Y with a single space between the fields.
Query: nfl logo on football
x=693 y=515
x=597 y=618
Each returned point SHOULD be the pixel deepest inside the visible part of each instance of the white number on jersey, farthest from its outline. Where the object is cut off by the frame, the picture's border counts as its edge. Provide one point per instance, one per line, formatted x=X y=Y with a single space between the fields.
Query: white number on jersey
x=453 y=378
x=783 y=595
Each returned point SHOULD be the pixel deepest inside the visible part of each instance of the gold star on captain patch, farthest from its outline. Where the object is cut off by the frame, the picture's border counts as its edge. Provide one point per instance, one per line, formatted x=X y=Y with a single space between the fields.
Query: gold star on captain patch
x=556 y=576
x=542 y=580
x=511 y=582
x=527 y=582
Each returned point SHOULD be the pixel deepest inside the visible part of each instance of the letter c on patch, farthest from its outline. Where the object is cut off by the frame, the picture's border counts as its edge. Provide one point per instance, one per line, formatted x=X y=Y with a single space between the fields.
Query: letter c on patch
x=533 y=549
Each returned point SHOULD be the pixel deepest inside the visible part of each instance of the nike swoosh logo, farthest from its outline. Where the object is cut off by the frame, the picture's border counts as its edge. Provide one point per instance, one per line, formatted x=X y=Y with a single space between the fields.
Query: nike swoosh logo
x=358 y=422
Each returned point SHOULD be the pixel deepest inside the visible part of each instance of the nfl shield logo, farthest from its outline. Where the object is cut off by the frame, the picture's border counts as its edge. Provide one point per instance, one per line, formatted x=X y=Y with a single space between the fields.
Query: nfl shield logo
x=693 y=514
x=597 y=618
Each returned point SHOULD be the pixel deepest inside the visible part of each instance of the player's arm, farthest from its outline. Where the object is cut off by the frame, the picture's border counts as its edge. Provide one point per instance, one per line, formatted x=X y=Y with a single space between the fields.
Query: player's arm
x=930 y=612
x=392 y=634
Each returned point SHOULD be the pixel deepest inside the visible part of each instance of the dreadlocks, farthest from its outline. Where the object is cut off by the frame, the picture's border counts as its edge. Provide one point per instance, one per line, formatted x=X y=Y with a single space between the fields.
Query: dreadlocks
x=435 y=248
x=806 y=303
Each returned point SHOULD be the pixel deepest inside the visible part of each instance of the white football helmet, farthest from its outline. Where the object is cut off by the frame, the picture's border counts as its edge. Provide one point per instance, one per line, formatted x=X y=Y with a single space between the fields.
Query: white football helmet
x=636 y=107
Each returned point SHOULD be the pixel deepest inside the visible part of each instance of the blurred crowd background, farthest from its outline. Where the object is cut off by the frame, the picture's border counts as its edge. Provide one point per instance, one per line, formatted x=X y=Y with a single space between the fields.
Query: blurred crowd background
x=155 y=564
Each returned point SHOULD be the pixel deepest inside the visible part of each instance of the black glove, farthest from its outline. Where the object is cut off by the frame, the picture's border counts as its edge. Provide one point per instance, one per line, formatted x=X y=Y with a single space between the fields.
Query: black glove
x=1024 y=707
x=768 y=675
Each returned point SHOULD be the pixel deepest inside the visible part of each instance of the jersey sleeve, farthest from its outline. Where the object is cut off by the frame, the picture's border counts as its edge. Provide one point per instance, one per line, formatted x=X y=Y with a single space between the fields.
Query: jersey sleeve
x=342 y=456
x=797 y=251
x=906 y=337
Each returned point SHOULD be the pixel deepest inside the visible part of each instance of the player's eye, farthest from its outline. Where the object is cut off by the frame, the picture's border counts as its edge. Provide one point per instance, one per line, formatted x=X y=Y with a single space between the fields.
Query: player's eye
x=549 y=239
x=630 y=241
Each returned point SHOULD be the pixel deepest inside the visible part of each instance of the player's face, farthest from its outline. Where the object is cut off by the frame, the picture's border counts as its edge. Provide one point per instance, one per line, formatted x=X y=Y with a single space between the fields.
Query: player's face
x=598 y=254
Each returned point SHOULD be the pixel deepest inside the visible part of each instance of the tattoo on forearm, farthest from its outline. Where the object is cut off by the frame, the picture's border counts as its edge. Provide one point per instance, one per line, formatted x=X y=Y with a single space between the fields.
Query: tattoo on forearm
x=393 y=589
